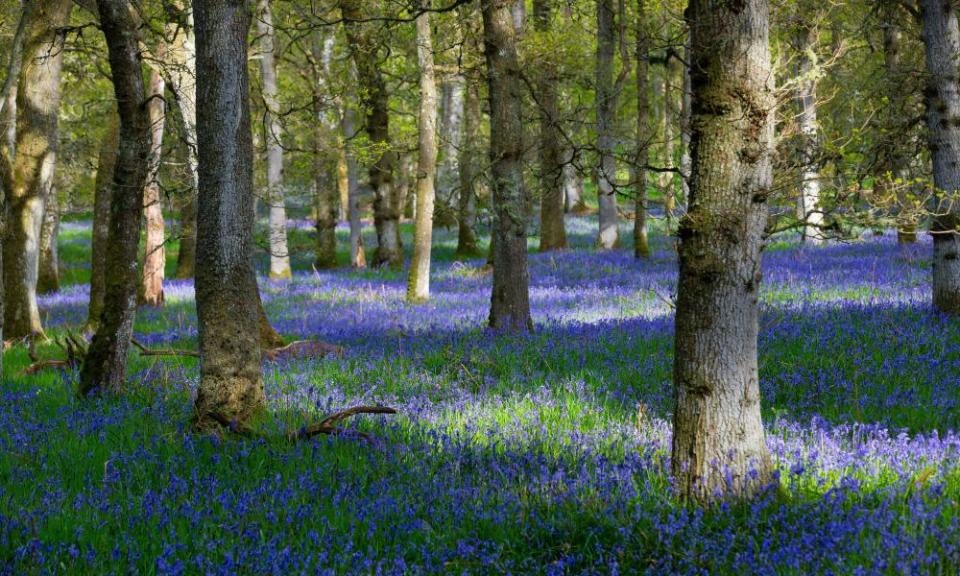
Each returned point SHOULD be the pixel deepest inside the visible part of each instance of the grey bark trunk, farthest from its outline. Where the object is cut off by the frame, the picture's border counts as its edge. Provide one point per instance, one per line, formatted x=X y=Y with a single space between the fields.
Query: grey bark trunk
x=154 y=258
x=105 y=364
x=327 y=201
x=279 y=252
x=451 y=130
x=181 y=79
x=351 y=177
x=102 y=197
x=942 y=39
x=418 y=284
x=573 y=200
x=894 y=158
x=718 y=437
x=510 y=300
x=469 y=171
x=48 y=279
x=553 y=234
x=609 y=235
x=364 y=45
x=231 y=383
x=34 y=161
x=686 y=111
x=809 y=201
x=641 y=243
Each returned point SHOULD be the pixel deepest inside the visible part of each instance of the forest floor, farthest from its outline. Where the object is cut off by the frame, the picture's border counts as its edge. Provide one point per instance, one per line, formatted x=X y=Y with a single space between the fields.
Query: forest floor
x=539 y=454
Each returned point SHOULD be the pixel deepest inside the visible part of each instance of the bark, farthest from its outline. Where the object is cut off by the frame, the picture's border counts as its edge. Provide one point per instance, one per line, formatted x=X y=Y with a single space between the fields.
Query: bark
x=269 y=337
x=609 y=236
x=686 y=111
x=181 y=76
x=573 y=200
x=452 y=130
x=469 y=171
x=154 y=259
x=326 y=187
x=942 y=39
x=103 y=194
x=664 y=92
x=894 y=160
x=510 y=300
x=809 y=210
x=231 y=383
x=365 y=48
x=718 y=437
x=418 y=284
x=105 y=364
x=350 y=178
x=279 y=252
x=641 y=243
x=48 y=279
x=553 y=235
x=34 y=161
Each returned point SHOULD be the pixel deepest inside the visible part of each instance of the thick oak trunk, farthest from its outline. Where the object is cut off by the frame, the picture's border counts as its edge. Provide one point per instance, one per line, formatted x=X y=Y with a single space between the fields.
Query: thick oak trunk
x=942 y=39
x=418 y=284
x=105 y=365
x=231 y=383
x=510 y=300
x=35 y=156
x=718 y=437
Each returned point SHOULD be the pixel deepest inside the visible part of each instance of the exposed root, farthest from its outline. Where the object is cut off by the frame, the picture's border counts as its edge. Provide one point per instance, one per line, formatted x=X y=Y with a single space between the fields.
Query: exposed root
x=326 y=426
x=74 y=347
x=303 y=349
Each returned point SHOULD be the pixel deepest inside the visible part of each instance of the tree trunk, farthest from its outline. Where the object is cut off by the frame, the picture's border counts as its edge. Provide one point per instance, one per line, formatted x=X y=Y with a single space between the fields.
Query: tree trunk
x=641 y=244
x=364 y=45
x=942 y=39
x=418 y=285
x=809 y=209
x=609 y=236
x=102 y=197
x=269 y=337
x=231 y=383
x=894 y=161
x=665 y=91
x=510 y=300
x=573 y=200
x=553 y=235
x=279 y=253
x=452 y=130
x=154 y=259
x=105 y=364
x=38 y=105
x=324 y=129
x=181 y=79
x=718 y=437
x=469 y=171
x=350 y=177
x=686 y=107
x=48 y=279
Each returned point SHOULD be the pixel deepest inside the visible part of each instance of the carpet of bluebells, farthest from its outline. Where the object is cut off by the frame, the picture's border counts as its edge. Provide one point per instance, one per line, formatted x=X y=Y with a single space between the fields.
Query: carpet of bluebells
x=539 y=454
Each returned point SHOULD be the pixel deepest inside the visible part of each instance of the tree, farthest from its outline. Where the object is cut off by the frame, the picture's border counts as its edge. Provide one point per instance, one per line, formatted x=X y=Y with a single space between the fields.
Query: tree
x=641 y=244
x=553 y=235
x=718 y=437
x=418 y=285
x=105 y=364
x=231 y=383
x=809 y=210
x=279 y=253
x=154 y=254
x=942 y=39
x=48 y=277
x=365 y=47
x=102 y=197
x=34 y=161
x=467 y=161
x=324 y=127
x=510 y=300
x=606 y=94
x=181 y=72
